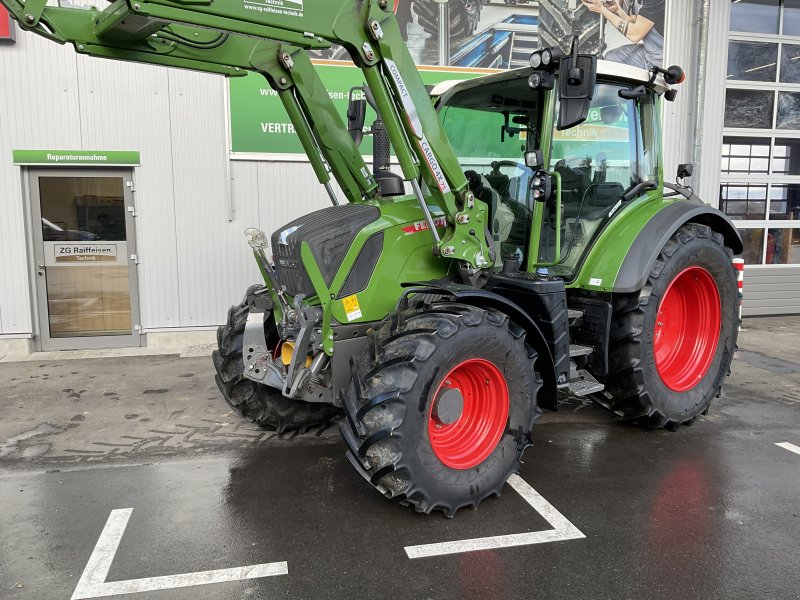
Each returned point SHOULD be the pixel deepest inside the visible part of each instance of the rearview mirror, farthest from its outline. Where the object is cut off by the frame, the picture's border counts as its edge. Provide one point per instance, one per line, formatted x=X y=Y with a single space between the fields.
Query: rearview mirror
x=577 y=76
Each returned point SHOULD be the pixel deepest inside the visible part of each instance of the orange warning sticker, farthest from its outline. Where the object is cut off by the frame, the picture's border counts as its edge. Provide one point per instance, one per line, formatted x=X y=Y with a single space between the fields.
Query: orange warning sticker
x=351 y=307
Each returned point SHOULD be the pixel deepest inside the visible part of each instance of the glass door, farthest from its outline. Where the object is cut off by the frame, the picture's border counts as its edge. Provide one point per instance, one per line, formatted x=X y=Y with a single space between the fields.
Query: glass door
x=84 y=249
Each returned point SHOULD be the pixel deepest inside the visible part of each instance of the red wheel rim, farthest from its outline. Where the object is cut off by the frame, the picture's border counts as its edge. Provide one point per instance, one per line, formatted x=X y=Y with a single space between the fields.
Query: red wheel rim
x=468 y=440
x=687 y=329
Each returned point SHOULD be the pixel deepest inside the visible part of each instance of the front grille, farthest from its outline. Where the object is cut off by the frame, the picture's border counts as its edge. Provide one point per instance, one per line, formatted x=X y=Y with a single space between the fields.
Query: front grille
x=329 y=234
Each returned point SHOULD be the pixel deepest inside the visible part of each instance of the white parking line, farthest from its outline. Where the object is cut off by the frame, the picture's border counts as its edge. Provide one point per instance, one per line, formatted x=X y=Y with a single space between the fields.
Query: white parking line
x=93 y=581
x=562 y=530
x=789 y=447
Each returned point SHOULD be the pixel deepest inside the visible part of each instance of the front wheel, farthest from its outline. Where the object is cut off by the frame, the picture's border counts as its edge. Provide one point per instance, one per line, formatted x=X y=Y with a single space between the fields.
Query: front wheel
x=257 y=403
x=672 y=343
x=441 y=407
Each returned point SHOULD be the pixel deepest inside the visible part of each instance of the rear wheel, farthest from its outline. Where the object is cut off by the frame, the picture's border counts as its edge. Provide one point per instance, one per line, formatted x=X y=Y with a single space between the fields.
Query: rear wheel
x=672 y=343
x=464 y=17
x=265 y=406
x=440 y=409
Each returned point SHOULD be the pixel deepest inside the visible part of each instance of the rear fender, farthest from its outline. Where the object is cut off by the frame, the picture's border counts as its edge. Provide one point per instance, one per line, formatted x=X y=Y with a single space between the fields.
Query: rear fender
x=622 y=257
x=485 y=299
x=644 y=251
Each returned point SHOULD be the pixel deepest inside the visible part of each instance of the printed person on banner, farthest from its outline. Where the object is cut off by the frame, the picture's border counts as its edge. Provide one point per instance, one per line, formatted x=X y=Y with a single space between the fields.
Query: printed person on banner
x=639 y=22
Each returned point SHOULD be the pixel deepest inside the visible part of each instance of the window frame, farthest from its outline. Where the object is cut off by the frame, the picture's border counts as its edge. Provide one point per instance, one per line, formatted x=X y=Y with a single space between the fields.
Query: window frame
x=768 y=179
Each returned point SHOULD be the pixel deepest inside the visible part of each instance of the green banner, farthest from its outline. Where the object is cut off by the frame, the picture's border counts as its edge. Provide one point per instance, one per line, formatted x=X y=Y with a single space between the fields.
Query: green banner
x=259 y=123
x=75 y=157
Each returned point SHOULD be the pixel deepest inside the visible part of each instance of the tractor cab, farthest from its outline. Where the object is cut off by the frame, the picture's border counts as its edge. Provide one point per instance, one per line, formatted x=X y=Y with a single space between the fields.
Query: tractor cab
x=596 y=146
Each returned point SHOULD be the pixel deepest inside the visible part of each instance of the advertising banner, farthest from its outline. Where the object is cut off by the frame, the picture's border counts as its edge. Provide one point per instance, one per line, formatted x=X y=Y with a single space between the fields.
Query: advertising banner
x=625 y=31
x=6 y=26
x=107 y=158
x=459 y=39
x=259 y=123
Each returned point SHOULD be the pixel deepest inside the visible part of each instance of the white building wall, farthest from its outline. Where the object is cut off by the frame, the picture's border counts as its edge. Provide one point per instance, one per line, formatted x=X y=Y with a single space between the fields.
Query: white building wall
x=39 y=101
x=193 y=258
x=682 y=29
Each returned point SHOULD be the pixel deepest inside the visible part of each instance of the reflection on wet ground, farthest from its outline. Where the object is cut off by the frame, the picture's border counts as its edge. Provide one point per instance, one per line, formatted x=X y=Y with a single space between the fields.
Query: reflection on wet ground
x=713 y=507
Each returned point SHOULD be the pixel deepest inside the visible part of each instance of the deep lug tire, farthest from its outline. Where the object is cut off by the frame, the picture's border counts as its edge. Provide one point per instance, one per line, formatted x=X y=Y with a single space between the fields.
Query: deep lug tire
x=259 y=404
x=464 y=17
x=441 y=406
x=672 y=344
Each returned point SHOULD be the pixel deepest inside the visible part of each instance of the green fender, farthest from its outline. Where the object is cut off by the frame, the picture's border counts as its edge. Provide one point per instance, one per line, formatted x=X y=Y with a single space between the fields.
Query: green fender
x=626 y=250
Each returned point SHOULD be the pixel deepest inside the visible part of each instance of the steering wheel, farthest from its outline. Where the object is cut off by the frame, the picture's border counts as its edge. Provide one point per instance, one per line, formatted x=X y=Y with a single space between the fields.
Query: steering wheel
x=510 y=163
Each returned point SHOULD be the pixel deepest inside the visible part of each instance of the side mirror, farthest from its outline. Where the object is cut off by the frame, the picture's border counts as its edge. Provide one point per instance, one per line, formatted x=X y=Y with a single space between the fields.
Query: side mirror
x=356 y=114
x=685 y=170
x=577 y=77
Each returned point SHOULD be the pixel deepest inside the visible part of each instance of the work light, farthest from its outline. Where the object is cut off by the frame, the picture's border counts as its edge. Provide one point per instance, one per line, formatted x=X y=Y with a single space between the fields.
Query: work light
x=541 y=186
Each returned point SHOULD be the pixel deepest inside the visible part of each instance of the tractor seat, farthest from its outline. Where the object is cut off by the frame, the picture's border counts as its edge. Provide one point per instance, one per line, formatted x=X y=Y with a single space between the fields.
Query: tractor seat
x=574 y=183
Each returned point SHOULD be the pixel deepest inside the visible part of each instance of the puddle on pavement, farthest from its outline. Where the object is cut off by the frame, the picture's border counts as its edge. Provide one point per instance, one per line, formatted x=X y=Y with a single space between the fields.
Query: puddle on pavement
x=10 y=445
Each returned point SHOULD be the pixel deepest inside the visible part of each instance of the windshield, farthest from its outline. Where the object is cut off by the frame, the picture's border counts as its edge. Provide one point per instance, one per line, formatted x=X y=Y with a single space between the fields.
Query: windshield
x=490 y=136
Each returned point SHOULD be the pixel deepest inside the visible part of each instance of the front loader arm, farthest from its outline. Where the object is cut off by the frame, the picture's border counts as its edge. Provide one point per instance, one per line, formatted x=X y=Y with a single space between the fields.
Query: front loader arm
x=271 y=38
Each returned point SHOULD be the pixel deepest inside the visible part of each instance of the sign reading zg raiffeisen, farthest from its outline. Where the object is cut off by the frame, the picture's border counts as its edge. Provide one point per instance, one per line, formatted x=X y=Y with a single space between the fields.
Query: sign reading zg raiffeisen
x=85 y=253
x=259 y=123
x=76 y=157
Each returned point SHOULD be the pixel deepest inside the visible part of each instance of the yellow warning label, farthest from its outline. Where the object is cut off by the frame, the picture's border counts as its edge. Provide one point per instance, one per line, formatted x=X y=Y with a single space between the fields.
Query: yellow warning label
x=351 y=307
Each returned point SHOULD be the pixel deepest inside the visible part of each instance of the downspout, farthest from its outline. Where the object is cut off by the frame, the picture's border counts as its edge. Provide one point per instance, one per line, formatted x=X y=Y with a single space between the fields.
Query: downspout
x=699 y=111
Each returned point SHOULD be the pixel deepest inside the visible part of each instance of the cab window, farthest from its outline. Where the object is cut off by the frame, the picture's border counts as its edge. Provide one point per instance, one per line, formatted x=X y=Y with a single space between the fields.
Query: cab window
x=490 y=144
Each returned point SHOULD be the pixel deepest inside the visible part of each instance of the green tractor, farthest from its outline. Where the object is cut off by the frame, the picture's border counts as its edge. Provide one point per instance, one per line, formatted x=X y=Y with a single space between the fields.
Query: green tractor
x=539 y=252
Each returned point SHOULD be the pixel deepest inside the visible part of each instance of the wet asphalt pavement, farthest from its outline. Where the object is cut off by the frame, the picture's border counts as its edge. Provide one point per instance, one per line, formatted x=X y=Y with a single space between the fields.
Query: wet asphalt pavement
x=711 y=511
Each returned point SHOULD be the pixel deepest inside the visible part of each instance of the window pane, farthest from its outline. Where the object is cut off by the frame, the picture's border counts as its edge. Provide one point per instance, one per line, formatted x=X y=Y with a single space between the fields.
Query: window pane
x=788 y=110
x=784 y=202
x=747 y=156
x=783 y=247
x=786 y=160
x=752 y=61
x=83 y=227
x=743 y=201
x=791 y=17
x=753 y=240
x=790 y=64
x=750 y=109
x=758 y=16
